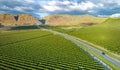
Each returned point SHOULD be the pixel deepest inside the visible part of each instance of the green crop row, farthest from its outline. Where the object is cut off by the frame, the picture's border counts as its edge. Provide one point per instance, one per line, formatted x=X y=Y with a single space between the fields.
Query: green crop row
x=13 y=37
x=42 y=50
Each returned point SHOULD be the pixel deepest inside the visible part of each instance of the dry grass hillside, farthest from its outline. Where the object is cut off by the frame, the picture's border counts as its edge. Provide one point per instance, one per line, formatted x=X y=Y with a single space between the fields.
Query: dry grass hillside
x=26 y=19
x=7 y=20
x=68 y=20
x=22 y=20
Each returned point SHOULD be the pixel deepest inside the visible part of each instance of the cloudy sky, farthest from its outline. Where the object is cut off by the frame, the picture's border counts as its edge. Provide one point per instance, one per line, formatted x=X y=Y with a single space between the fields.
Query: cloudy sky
x=37 y=8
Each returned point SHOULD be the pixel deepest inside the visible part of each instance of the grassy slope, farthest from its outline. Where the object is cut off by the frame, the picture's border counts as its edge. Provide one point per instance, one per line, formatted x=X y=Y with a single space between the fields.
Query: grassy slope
x=47 y=50
x=105 y=34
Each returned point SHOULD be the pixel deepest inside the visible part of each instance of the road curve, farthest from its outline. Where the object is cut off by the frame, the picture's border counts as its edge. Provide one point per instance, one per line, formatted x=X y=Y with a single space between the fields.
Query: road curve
x=79 y=43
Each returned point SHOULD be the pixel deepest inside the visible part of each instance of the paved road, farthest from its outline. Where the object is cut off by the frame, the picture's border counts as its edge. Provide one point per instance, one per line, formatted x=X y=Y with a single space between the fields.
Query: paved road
x=78 y=43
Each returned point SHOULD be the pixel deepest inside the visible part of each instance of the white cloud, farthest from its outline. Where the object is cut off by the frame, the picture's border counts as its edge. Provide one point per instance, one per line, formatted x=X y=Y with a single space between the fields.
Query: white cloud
x=70 y=6
x=100 y=5
x=18 y=9
x=29 y=1
x=91 y=11
x=106 y=1
x=95 y=7
x=25 y=1
x=87 y=5
x=66 y=2
x=22 y=9
x=115 y=15
x=5 y=7
x=82 y=6
x=50 y=6
x=102 y=15
x=113 y=1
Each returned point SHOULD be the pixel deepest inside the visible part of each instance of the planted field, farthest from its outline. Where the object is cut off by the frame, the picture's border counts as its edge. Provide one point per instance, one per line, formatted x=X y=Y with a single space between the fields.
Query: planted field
x=42 y=50
x=106 y=35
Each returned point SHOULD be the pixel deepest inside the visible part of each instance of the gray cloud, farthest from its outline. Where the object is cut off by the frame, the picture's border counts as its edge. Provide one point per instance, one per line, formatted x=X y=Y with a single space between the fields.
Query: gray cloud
x=73 y=7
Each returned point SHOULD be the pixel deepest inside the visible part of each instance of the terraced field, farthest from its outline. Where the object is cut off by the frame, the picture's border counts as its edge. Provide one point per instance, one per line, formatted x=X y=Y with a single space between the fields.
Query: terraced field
x=42 y=50
x=105 y=34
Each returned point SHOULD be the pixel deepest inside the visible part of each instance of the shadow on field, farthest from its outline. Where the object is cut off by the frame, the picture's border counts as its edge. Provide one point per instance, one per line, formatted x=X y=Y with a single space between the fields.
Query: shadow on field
x=25 y=40
x=24 y=27
x=30 y=27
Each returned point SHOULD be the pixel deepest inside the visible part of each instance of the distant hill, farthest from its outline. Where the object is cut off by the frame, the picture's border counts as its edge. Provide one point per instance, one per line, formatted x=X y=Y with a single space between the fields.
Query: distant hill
x=20 y=20
x=106 y=34
x=111 y=22
x=68 y=20
x=54 y=20
x=7 y=20
x=26 y=19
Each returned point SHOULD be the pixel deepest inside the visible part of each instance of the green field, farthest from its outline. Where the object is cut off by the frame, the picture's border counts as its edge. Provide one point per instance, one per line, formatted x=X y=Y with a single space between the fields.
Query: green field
x=42 y=50
x=106 y=34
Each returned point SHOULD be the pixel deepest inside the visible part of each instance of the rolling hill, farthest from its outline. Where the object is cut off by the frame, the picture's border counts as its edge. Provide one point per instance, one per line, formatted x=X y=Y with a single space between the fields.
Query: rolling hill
x=25 y=19
x=54 y=20
x=68 y=20
x=20 y=20
x=7 y=20
x=105 y=34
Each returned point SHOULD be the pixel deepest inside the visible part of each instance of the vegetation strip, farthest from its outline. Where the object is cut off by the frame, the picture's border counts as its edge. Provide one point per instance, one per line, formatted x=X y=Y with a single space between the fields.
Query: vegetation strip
x=74 y=41
x=25 y=40
x=49 y=52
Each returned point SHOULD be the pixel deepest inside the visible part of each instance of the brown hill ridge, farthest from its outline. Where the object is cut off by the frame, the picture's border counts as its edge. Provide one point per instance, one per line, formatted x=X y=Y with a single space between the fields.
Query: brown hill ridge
x=7 y=20
x=26 y=19
x=54 y=20
x=68 y=20
x=23 y=19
